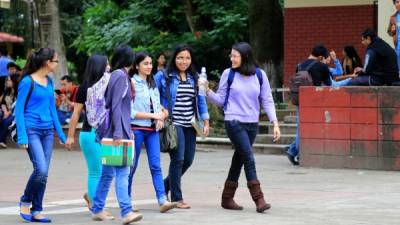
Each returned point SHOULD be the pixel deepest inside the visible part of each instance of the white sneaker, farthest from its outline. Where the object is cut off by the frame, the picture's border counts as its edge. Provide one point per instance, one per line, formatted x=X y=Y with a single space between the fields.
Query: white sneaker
x=3 y=145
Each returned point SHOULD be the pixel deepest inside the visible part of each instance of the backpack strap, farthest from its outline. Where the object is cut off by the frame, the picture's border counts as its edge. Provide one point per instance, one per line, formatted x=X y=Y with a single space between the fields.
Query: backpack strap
x=310 y=65
x=30 y=92
x=231 y=77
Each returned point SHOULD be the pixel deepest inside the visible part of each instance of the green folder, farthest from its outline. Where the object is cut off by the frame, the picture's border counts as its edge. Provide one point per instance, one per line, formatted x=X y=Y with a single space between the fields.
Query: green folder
x=117 y=155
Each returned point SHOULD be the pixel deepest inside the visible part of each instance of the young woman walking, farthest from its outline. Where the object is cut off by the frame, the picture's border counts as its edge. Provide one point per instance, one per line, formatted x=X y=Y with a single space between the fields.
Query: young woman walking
x=147 y=118
x=181 y=83
x=6 y=103
x=96 y=66
x=118 y=96
x=36 y=114
x=241 y=102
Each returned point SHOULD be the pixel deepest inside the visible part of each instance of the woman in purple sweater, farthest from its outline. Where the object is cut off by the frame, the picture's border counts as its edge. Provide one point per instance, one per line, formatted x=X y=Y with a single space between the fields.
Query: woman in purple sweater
x=241 y=102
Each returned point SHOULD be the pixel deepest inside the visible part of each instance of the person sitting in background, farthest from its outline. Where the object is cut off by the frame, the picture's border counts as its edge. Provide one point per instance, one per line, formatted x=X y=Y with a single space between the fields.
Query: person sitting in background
x=4 y=60
x=6 y=103
x=66 y=99
x=351 y=59
x=337 y=70
x=380 y=66
x=13 y=68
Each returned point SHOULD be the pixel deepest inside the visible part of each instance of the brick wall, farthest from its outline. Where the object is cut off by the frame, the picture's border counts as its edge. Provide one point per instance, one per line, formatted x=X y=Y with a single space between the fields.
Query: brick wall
x=350 y=127
x=333 y=26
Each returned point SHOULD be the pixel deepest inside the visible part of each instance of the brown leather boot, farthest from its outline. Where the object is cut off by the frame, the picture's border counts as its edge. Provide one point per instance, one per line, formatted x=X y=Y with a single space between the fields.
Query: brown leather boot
x=228 y=193
x=258 y=196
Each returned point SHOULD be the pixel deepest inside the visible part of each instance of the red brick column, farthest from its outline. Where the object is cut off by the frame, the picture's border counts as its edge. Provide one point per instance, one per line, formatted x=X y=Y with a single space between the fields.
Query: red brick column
x=350 y=127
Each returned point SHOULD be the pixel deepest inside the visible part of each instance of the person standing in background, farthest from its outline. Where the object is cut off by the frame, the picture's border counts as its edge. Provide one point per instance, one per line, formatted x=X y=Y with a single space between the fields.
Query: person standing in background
x=4 y=60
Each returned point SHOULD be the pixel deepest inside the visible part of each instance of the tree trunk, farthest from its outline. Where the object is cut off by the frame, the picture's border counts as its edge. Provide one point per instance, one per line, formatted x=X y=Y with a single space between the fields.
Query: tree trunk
x=189 y=15
x=51 y=35
x=266 y=37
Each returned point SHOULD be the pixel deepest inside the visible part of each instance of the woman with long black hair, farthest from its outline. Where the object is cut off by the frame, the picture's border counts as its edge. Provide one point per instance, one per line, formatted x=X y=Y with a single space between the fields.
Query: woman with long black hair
x=180 y=81
x=147 y=119
x=118 y=96
x=36 y=114
x=242 y=89
x=96 y=66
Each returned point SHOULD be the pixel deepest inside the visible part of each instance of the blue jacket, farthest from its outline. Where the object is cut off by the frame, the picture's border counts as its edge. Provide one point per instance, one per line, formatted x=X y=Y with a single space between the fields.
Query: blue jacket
x=202 y=110
x=40 y=111
x=144 y=96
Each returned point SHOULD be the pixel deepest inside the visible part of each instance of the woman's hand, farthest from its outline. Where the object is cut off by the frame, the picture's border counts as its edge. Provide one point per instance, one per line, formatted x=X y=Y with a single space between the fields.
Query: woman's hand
x=277 y=132
x=206 y=84
x=159 y=124
x=70 y=143
x=206 y=128
x=159 y=116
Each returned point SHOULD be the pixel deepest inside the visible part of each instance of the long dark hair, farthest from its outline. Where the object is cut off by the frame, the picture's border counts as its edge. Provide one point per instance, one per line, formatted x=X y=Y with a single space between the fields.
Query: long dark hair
x=15 y=80
x=352 y=54
x=139 y=57
x=95 y=67
x=249 y=64
x=172 y=65
x=123 y=56
x=37 y=59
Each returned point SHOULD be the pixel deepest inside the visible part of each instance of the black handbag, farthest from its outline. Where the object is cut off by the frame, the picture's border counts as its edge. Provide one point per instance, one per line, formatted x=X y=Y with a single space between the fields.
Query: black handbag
x=168 y=135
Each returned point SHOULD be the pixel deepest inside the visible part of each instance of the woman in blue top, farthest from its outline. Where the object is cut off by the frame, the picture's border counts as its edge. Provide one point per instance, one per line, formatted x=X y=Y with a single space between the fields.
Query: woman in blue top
x=185 y=104
x=147 y=118
x=37 y=118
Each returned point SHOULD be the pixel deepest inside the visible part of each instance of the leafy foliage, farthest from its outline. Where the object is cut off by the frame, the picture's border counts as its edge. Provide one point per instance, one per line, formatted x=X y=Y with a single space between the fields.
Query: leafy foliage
x=159 y=26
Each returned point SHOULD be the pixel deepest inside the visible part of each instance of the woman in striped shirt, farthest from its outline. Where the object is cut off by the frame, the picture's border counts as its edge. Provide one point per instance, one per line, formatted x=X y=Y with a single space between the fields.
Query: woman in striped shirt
x=180 y=80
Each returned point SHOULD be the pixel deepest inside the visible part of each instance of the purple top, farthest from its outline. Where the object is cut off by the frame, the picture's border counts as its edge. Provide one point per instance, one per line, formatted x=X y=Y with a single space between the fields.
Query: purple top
x=243 y=103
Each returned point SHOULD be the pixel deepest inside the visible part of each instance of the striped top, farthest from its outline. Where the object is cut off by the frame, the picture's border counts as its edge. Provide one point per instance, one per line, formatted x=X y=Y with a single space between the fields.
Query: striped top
x=183 y=110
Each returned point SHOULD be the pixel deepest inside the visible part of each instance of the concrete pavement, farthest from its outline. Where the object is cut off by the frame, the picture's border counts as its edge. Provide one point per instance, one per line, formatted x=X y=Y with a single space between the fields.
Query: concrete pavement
x=298 y=195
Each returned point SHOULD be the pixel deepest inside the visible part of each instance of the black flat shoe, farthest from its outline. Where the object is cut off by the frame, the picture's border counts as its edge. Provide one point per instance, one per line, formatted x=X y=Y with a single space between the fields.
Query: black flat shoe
x=292 y=159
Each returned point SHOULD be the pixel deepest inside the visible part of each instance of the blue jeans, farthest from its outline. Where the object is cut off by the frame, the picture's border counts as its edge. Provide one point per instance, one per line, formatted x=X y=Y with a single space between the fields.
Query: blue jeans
x=121 y=174
x=151 y=140
x=91 y=152
x=40 y=148
x=242 y=136
x=4 y=124
x=181 y=160
x=294 y=147
x=398 y=57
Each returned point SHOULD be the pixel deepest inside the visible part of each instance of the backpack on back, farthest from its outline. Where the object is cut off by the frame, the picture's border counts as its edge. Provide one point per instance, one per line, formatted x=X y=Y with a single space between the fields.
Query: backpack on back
x=12 y=129
x=96 y=110
x=231 y=76
x=301 y=78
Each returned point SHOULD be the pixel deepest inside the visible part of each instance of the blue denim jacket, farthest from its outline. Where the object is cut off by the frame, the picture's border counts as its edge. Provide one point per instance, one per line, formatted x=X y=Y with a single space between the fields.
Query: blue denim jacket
x=141 y=103
x=202 y=110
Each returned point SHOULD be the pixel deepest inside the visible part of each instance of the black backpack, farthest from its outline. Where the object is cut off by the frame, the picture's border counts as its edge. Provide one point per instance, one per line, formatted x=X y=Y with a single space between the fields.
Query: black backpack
x=301 y=78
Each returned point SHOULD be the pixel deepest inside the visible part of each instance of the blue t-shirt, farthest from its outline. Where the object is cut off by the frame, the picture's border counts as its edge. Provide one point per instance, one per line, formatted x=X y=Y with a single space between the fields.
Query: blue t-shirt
x=3 y=66
x=40 y=112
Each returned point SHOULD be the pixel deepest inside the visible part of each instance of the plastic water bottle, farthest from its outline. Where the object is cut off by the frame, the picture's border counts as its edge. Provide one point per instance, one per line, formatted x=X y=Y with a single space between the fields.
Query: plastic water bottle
x=202 y=82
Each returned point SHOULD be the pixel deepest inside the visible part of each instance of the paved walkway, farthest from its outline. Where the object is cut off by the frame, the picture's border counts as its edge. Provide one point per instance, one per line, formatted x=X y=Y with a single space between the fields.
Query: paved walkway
x=298 y=195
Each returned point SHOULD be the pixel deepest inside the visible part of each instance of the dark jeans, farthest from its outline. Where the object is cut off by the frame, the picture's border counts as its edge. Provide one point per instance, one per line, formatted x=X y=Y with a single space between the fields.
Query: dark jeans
x=40 y=148
x=364 y=81
x=4 y=124
x=242 y=136
x=181 y=160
